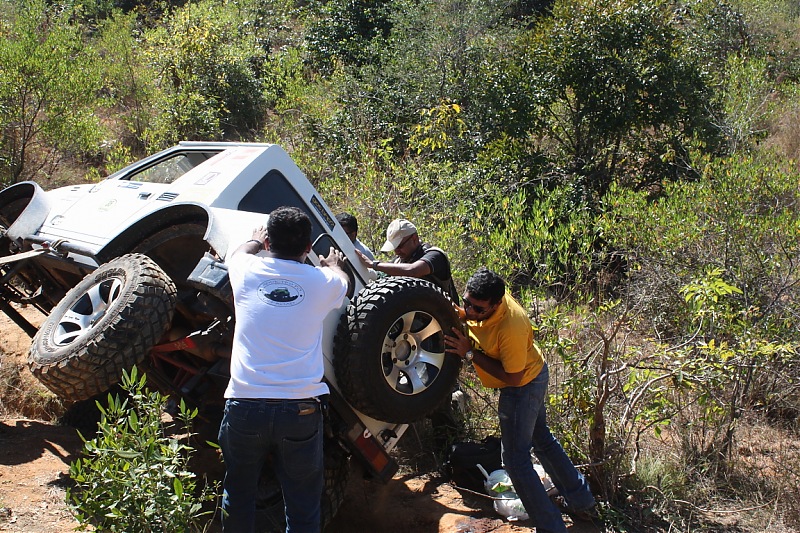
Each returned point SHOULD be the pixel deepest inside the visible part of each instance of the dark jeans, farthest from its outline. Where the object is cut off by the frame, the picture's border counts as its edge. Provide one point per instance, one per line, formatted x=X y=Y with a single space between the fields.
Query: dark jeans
x=287 y=432
x=523 y=425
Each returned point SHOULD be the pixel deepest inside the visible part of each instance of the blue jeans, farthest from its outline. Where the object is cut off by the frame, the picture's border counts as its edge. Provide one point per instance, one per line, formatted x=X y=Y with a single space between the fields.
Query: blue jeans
x=289 y=434
x=523 y=425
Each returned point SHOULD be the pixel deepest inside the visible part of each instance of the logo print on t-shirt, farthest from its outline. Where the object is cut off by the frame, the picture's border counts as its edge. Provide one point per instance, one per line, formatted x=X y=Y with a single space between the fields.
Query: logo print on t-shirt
x=281 y=292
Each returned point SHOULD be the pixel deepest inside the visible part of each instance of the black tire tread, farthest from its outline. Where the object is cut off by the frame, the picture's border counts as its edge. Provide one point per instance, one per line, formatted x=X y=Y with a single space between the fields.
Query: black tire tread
x=337 y=476
x=97 y=362
x=353 y=362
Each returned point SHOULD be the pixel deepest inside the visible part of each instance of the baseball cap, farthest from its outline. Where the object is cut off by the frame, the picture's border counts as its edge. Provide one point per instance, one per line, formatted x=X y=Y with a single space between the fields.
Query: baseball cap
x=398 y=230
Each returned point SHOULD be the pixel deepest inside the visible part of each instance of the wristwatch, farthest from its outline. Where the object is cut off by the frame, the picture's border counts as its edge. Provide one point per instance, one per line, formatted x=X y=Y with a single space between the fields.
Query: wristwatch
x=375 y=264
x=469 y=356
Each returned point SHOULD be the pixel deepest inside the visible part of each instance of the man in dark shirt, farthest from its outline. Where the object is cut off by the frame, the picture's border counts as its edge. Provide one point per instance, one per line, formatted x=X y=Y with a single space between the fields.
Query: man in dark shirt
x=350 y=225
x=414 y=258
x=417 y=259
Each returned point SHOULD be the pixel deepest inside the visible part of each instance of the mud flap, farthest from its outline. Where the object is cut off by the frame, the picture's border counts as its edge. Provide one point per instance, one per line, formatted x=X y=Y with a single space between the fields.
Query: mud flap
x=362 y=443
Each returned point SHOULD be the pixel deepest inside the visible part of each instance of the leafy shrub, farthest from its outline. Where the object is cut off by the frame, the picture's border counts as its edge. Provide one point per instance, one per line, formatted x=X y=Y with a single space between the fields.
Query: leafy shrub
x=713 y=268
x=127 y=79
x=348 y=31
x=758 y=29
x=747 y=103
x=741 y=217
x=134 y=476
x=209 y=82
x=428 y=58
x=534 y=236
x=607 y=89
x=48 y=91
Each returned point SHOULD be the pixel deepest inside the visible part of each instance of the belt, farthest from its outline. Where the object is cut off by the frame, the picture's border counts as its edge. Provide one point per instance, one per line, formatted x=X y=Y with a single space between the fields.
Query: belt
x=275 y=400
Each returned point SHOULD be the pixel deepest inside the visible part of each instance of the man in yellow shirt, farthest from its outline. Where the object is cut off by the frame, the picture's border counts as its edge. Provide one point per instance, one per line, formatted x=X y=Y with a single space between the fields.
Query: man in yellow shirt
x=507 y=358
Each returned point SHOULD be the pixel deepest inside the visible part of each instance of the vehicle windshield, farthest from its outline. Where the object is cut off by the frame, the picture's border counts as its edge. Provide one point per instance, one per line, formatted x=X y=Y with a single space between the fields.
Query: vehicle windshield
x=168 y=170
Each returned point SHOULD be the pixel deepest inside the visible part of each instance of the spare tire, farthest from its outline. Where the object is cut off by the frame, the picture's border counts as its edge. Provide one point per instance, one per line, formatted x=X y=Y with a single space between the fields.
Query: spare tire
x=389 y=353
x=107 y=323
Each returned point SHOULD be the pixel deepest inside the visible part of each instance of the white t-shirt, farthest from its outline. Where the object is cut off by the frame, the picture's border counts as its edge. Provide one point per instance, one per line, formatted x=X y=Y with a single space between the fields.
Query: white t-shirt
x=277 y=343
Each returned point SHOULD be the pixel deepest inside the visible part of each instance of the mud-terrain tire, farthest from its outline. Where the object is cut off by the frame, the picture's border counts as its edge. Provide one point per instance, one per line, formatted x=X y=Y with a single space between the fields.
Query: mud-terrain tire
x=270 y=513
x=107 y=323
x=389 y=352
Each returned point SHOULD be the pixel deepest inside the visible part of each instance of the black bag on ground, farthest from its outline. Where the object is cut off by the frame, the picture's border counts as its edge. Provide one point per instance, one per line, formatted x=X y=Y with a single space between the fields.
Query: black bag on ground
x=461 y=466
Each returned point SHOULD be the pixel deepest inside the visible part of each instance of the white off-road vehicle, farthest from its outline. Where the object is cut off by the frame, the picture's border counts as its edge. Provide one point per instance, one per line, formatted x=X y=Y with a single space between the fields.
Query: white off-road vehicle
x=130 y=272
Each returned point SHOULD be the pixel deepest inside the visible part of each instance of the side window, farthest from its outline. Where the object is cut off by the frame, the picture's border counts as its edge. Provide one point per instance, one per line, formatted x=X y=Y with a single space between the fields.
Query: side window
x=321 y=246
x=274 y=191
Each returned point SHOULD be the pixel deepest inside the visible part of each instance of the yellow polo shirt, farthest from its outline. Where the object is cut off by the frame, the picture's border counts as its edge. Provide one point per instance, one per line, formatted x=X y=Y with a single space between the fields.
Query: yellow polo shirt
x=507 y=335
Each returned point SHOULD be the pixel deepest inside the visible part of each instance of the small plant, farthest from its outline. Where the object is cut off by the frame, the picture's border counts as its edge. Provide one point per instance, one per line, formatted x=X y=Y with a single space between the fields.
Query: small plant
x=134 y=476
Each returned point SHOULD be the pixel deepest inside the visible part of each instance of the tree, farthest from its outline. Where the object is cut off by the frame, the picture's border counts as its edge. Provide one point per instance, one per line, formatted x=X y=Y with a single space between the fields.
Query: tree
x=608 y=89
x=428 y=60
x=209 y=80
x=49 y=82
x=740 y=216
x=747 y=99
x=347 y=30
x=127 y=78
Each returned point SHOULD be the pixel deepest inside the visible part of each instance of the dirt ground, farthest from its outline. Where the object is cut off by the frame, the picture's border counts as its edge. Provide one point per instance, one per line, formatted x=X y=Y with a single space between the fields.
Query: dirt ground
x=35 y=457
x=34 y=463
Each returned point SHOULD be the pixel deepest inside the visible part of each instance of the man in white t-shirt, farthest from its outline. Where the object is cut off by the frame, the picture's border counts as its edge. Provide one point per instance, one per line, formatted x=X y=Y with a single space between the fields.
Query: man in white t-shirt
x=275 y=394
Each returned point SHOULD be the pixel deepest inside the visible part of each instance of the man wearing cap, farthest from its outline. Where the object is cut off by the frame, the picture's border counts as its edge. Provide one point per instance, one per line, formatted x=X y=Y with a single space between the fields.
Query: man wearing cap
x=421 y=260
x=414 y=258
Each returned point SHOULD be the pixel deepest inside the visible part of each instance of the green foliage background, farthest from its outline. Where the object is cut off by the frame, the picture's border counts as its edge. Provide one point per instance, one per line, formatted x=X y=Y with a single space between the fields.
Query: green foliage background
x=629 y=166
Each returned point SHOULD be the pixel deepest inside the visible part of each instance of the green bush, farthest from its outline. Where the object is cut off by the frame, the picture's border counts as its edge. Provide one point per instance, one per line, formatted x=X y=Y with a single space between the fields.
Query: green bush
x=428 y=58
x=209 y=82
x=347 y=31
x=607 y=89
x=533 y=236
x=127 y=79
x=48 y=91
x=747 y=103
x=741 y=217
x=134 y=475
x=713 y=269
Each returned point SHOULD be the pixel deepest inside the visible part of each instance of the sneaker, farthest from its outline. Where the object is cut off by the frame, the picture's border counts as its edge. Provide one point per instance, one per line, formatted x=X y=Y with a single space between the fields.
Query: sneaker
x=589 y=514
x=585 y=515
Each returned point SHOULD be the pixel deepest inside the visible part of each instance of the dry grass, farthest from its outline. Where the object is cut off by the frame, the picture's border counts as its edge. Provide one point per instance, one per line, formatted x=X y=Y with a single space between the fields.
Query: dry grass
x=759 y=490
x=785 y=137
x=22 y=396
x=767 y=464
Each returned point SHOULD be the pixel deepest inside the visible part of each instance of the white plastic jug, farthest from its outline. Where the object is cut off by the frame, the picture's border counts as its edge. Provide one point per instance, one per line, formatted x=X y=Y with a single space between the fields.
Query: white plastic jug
x=507 y=504
x=496 y=482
